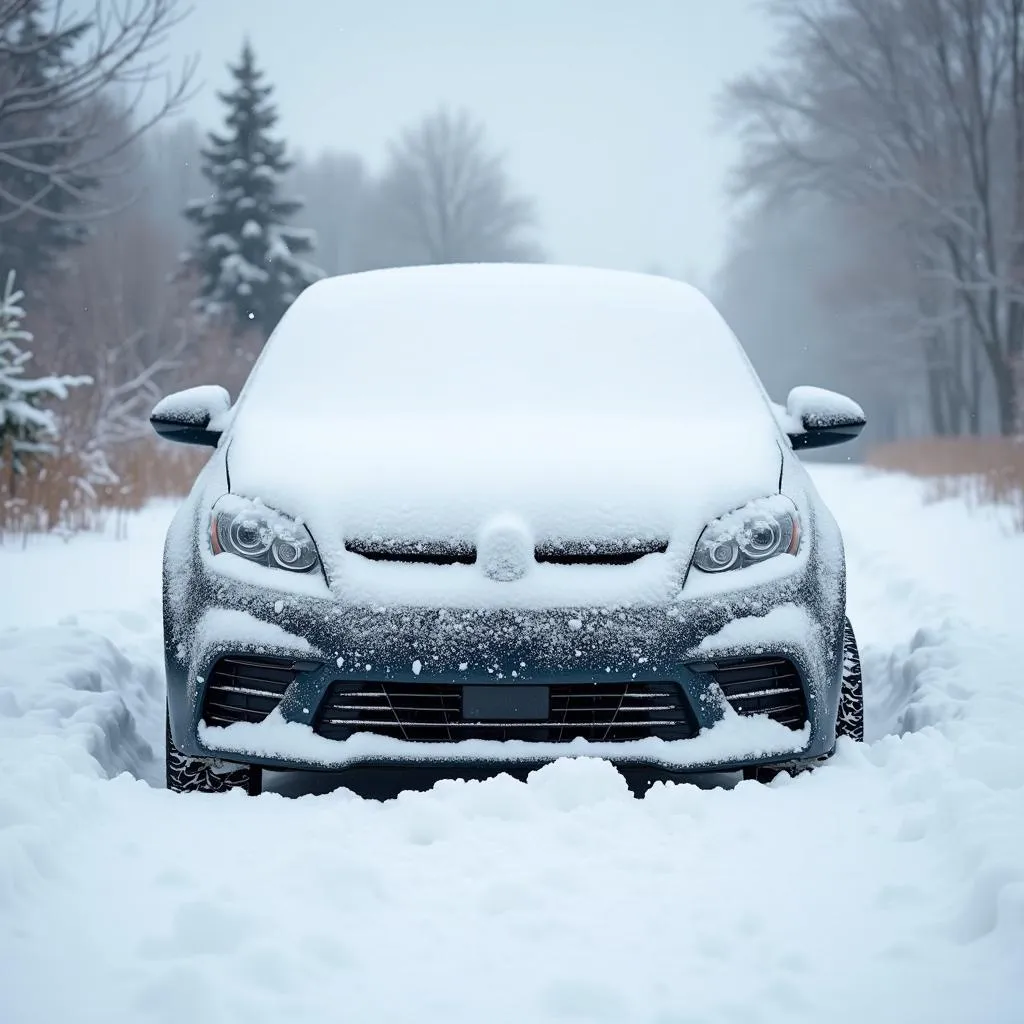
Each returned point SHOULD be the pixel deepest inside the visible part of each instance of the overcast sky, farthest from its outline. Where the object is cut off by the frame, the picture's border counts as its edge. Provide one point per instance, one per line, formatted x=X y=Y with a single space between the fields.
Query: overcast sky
x=604 y=107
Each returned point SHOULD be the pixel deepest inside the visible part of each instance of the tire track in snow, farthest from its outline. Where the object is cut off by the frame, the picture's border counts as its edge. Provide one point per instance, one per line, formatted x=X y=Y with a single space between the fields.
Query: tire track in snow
x=82 y=695
x=926 y=619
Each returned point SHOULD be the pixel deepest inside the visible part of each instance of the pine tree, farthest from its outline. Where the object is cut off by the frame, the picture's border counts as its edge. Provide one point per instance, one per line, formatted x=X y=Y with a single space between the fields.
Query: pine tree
x=38 y=195
x=27 y=427
x=246 y=256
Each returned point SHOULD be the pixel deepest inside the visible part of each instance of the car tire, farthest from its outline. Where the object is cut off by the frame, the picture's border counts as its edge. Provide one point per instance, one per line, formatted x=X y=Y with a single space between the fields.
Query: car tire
x=206 y=774
x=849 y=720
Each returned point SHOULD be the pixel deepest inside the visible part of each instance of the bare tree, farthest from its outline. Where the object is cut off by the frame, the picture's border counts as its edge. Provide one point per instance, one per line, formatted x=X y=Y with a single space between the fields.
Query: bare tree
x=911 y=111
x=118 y=315
x=445 y=198
x=53 y=142
x=815 y=295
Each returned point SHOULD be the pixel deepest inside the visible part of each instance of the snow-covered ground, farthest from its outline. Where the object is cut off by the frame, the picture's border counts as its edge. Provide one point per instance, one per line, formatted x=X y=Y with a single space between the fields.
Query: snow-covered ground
x=887 y=886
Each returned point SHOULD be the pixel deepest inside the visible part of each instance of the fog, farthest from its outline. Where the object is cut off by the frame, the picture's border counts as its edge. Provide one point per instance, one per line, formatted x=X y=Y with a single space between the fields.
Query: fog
x=604 y=109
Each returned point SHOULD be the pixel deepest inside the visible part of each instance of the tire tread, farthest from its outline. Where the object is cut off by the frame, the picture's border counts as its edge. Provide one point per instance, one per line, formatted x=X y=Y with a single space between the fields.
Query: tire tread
x=207 y=775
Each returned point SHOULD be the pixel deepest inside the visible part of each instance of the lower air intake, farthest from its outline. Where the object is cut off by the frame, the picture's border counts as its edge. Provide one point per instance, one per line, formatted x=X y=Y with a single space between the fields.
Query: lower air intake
x=767 y=686
x=245 y=689
x=600 y=712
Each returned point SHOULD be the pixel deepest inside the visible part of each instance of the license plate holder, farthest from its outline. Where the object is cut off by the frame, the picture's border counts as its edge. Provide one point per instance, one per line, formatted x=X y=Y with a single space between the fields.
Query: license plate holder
x=497 y=703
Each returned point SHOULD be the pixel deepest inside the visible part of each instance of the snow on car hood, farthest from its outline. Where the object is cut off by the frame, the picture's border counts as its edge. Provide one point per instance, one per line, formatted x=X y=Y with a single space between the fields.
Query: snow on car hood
x=566 y=479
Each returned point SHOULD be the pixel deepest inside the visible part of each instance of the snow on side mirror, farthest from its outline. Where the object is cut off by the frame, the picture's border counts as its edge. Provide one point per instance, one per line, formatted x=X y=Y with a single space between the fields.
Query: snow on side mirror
x=816 y=418
x=194 y=416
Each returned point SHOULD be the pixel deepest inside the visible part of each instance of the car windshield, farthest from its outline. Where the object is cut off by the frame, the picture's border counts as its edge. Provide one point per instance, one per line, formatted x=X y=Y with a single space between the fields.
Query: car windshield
x=502 y=340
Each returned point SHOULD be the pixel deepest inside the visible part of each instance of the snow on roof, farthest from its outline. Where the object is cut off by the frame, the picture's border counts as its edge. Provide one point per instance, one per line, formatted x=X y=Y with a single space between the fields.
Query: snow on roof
x=499 y=337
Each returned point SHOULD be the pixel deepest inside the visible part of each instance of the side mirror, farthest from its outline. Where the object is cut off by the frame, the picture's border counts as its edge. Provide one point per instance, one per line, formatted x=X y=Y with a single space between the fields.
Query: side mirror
x=195 y=416
x=816 y=418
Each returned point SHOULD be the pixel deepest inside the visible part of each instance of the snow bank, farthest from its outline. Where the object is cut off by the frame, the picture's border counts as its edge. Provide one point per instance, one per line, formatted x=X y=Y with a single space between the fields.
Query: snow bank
x=84 y=696
x=74 y=708
x=69 y=694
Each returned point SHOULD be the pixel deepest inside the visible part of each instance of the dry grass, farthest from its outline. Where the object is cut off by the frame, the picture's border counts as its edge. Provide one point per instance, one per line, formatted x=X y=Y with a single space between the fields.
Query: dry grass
x=984 y=470
x=51 y=496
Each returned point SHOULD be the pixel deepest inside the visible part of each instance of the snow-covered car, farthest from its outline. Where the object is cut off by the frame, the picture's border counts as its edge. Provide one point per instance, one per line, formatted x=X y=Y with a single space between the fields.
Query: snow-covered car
x=497 y=515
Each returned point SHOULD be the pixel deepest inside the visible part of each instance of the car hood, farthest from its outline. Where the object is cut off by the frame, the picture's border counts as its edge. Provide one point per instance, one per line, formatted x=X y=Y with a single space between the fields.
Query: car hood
x=563 y=478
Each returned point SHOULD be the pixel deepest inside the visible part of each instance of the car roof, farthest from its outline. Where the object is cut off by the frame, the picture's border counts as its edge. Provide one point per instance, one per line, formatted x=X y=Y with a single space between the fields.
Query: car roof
x=502 y=336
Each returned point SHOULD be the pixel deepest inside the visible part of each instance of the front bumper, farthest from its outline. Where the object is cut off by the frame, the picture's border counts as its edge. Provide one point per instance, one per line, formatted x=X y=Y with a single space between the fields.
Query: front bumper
x=795 y=617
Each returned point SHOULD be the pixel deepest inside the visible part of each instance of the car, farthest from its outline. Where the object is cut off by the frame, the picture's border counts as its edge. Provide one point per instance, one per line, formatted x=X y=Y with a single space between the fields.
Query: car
x=488 y=516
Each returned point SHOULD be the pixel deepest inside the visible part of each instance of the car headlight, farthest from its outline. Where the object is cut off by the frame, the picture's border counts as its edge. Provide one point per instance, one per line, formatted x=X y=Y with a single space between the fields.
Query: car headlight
x=758 y=531
x=260 y=534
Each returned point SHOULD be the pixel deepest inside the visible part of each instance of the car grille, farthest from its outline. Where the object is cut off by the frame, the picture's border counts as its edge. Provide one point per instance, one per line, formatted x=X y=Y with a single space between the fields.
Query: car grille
x=598 y=554
x=245 y=689
x=568 y=553
x=427 y=552
x=767 y=686
x=433 y=713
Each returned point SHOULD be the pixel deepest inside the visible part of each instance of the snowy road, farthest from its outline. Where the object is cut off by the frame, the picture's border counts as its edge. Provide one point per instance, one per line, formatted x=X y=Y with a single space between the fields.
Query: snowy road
x=887 y=886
